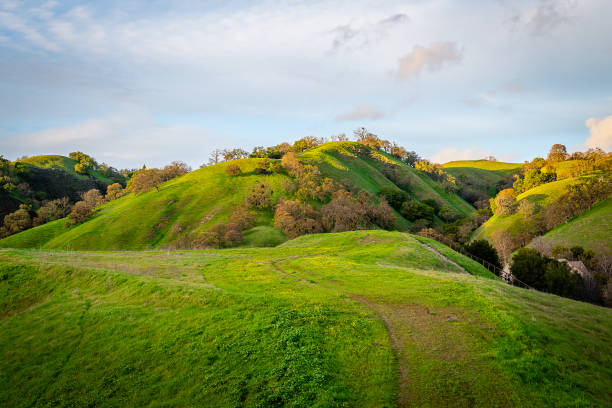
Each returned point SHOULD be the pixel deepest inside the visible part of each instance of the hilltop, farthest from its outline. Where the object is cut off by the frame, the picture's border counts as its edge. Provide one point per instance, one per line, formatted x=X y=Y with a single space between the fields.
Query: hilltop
x=65 y=164
x=367 y=318
x=202 y=198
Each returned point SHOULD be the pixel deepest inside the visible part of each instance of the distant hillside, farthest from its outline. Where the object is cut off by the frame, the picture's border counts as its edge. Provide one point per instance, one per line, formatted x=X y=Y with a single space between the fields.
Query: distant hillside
x=483 y=175
x=591 y=230
x=198 y=200
x=357 y=319
x=64 y=163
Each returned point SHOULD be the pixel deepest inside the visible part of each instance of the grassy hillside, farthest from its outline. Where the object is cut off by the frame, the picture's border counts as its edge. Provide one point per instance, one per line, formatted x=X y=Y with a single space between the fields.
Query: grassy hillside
x=482 y=175
x=62 y=163
x=362 y=167
x=198 y=200
x=540 y=195
x=363 y=319
x=591 y=230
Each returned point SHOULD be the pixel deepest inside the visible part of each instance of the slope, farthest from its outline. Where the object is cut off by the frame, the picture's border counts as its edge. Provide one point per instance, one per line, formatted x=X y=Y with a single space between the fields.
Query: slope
x=483 y=175
x=591 y=230
x=362 y=167
x=541 y=195
x=63 y=163
x=198 y=200
x=367 y=319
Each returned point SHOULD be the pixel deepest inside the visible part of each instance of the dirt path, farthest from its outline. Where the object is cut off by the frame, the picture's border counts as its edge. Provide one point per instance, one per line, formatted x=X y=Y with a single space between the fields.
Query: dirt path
x=440 y=256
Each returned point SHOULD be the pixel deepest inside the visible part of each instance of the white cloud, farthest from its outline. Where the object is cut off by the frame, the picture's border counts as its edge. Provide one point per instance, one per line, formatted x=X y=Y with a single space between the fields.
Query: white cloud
x=433 y=58
x=361 y=112
x=601 y=133
x=353 y=37
x=545 y=16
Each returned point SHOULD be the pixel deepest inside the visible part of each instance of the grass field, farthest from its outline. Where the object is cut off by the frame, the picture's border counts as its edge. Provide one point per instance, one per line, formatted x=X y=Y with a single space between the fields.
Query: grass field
x=62 y=163
x=201 y=198
x=591 y=230
x=363 y=319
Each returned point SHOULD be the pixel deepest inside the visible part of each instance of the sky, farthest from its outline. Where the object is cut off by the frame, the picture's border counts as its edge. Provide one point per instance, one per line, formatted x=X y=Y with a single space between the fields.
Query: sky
x=148 y=82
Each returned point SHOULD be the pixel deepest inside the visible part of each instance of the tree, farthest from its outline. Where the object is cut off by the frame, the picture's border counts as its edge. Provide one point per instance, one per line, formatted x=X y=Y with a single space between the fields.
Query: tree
x=411 y=158
x=262 y=167
x=233 y=170
x=52 y=210
x=294 y=219
x=260 y=196
x=413 y=210
x=505 y=202
x=18 y=221
x=394 y=197
x=81 y=168
x=93 y=198
x=242 y=218
x=114 y=191
x=306 y=143
x=174 y=169
x=483 y=250
x=558 y=152
x=80 y=212
x=145 y=180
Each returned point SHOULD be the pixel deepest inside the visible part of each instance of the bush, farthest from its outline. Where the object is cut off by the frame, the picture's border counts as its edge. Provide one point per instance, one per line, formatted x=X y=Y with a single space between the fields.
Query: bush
x=93 y=198
x=233 y=170
x=295 y=219
x=242 y=219
x=52 y=210
x=394 y=197
x=263 y=167
x=543 y=273
x=114 y=191
x=413 y=210
x=504 y=202
x=18 y=221
x=260 y=196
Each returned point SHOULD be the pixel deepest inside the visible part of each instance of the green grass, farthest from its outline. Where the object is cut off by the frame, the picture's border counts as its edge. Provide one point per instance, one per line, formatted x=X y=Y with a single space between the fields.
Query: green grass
x=363 y=319
x=485 y=165
x=201 y=198
x=591 y=230
x=66 y=164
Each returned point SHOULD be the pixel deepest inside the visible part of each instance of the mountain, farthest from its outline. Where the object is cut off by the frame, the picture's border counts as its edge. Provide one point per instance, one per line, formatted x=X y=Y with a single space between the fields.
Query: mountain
x=200 y=199
x=365 y=318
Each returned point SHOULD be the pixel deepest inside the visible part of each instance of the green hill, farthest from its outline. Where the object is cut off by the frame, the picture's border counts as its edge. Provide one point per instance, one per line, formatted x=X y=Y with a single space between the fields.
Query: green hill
x=198 y=200
x=63 y=163
x=591 y=230
x=482 y=175
x=540 y=195
x=363 y=319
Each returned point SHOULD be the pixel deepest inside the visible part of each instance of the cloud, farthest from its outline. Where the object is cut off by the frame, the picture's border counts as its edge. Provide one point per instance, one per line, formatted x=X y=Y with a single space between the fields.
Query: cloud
x=351 y=37
x=601 y=133
x=125 y=140
x=544 y=18
x=361 y=112
x=450 y=154
x=432 y=58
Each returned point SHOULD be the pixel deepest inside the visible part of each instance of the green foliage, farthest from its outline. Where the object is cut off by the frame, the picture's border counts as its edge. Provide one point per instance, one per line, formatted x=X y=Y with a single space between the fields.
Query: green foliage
x=483 y=250
x=394 y=196
x=543 y=273
x=413 y=210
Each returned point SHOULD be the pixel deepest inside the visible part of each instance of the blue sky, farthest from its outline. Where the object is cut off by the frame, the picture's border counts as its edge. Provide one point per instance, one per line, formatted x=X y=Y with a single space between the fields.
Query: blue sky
x=135 y=82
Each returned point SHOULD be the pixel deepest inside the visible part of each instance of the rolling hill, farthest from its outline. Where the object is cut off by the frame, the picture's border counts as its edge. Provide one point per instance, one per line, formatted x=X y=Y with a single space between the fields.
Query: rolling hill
x=199 y=199
x=364 y=319
x=63 y=163
x=591 y=230
x=483 y=175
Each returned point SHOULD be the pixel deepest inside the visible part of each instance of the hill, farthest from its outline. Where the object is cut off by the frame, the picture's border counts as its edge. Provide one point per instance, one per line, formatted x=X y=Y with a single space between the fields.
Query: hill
x=541 y=195
x=591 y=230
x=367 y=318
x=482 y=175
x=198 y=200
x=63 y=163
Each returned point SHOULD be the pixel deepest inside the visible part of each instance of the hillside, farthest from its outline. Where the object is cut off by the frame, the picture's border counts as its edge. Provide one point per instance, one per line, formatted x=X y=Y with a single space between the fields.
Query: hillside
x=540 y=195
x=483 y=175
x=590 y=230
x=198 y=200
x=364 y=319
x=63 y=163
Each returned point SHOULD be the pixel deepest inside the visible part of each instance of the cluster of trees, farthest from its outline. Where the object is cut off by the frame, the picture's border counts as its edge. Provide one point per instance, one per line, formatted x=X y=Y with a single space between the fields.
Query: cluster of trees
x=147 y=179
x=86 y=164
x=559 y=165
x=436 y=172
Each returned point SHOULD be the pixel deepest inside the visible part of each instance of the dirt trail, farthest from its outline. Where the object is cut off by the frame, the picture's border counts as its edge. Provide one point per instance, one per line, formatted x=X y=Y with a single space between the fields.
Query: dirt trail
x=440 y=256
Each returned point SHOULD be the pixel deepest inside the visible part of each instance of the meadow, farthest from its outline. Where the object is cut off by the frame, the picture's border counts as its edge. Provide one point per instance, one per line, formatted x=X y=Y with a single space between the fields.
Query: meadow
x=364 y=319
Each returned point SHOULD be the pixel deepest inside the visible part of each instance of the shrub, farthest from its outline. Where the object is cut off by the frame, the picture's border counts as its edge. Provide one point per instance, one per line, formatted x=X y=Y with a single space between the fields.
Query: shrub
x=543 y=273
x=260 y=196
x=81 y=168
x=242 y=219
x=263 y=167
x=413 y=210
x=93 y=198
x=114 y=191
x=18 y=221
x=394 y=197
x=504 y=202
x=233 y=170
